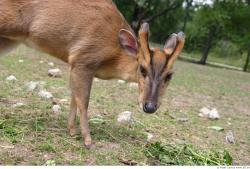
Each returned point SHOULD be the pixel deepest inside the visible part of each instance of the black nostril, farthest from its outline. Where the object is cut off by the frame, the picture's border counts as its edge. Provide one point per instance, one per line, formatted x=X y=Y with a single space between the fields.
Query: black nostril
x=149 y=107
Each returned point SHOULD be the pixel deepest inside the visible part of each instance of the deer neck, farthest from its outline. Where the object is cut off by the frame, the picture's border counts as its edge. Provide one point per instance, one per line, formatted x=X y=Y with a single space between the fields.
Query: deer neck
x=120 y=67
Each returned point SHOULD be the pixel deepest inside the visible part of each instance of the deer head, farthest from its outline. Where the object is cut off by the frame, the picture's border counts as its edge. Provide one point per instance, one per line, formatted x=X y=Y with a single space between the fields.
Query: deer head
x=155 y=66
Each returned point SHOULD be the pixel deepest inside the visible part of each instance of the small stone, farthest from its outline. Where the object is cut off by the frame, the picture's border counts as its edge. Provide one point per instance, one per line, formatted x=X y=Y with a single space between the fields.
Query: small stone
x=134 y=85
x=55 y=73
x=213 y=115
x=45 y=156
x=50 y=163
x=230 y=137
x=204 y=111
x=201 y=115
x=125 y=117
x=51 y=64
x=210 y=114
x=11 y=78
x=32 y=86
x=20 y=61
x=56 y=109
x=96 y=79
x=121 y=81
x=41 y=61
x=149 y=136
x=44 y=94
x=18 y=105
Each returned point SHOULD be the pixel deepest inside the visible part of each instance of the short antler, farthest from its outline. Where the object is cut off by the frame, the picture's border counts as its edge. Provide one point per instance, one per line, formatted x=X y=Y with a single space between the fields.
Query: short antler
x=143 y=38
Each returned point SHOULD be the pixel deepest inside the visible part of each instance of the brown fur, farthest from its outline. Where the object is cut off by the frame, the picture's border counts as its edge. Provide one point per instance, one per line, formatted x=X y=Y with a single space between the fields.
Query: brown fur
x=92 y=37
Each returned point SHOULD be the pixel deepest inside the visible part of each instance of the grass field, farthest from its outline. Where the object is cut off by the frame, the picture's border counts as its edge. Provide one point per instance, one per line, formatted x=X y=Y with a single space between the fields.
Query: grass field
x=237 y=61
x=34 y=135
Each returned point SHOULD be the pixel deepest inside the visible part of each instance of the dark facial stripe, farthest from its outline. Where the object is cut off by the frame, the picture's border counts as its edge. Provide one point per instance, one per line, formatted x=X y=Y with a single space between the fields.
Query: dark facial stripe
x=154 y=91
x=158 y=63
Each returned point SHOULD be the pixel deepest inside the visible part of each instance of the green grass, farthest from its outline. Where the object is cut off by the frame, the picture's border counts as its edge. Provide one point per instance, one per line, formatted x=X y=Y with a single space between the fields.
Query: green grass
x=236 y=61
x=32 y=134
x=185 y=155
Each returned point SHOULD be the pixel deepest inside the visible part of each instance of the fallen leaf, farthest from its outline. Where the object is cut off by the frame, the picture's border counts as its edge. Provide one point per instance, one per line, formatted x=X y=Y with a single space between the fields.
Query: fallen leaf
x=217 y=128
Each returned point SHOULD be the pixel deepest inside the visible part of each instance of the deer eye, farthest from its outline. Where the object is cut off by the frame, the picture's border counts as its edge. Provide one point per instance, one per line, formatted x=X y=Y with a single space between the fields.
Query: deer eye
x=143 y=71
x=168 y=77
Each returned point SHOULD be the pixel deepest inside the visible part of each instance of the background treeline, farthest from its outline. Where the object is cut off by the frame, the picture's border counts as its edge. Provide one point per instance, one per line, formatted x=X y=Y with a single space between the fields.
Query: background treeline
x=216 y=30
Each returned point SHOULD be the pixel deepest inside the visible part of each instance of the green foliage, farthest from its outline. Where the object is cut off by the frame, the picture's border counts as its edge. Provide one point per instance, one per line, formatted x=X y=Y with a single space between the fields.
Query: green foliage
x=226 y=49
x=228 y=21
x=11 y=131
x=166 y=154
x=39 y=125
x=204 y=19
x=238 y=29
x=161 y=26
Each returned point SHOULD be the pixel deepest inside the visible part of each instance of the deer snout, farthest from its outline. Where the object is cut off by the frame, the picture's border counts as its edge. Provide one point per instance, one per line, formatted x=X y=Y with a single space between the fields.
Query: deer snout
x=149 y=107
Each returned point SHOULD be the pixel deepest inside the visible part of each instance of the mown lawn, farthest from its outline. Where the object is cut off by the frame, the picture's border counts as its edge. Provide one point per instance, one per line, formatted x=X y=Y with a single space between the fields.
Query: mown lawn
x=34 y=135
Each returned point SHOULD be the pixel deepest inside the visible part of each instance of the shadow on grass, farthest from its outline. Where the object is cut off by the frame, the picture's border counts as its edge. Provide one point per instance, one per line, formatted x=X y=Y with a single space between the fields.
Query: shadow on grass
x=211 y=64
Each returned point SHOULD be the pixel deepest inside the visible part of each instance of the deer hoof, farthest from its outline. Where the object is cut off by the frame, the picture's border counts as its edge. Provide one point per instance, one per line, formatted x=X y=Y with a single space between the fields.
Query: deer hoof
x=88 y=143
x=72 y=131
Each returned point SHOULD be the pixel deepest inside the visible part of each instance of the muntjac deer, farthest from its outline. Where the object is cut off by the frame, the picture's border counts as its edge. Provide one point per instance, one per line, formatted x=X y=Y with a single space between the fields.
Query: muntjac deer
x=96 y=41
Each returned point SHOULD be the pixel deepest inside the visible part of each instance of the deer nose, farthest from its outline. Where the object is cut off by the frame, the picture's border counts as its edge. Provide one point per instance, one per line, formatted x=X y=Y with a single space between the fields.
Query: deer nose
x=149 y=107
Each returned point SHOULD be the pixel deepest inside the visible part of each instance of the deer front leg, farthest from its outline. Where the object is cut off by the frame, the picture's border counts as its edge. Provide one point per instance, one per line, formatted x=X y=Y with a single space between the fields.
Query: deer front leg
x=81 y=81
x=72 y=116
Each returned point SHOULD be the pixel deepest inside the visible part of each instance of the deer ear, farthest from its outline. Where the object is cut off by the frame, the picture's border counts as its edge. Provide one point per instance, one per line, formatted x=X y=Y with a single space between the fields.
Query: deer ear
x=170 y=44
x=128 y=42
x=174 y=46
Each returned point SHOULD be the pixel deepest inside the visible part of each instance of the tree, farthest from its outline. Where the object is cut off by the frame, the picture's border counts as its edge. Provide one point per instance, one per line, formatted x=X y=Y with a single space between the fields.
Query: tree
x=247 y=61
x=207 y=26
x=239 y=27
x=163 y=15
x=188 y=5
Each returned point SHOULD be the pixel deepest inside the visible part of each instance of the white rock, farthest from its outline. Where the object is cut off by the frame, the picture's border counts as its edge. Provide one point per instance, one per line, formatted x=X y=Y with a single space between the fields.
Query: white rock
x=149 y=136
x=230 y=137
x=204 y=111
x=41 y=61
x=201 y=115
x=11 y=78
x=32 y=86
x=55 y=72
x=18 y=105
x=50 y=163
x=121 y=81
x=125 y=117
x=213 y=115
x=96 y=79
x=51 y=64
x=20 y=61
x=44 y=94
x=133 y=84
x=56 y=108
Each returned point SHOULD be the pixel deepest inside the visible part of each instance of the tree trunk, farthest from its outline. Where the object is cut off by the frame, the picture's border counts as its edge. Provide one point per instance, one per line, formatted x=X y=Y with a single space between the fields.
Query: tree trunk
x=135 y=18
x=189 y=4
x=207 y=46
x=140 y=15
x=247 y=61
